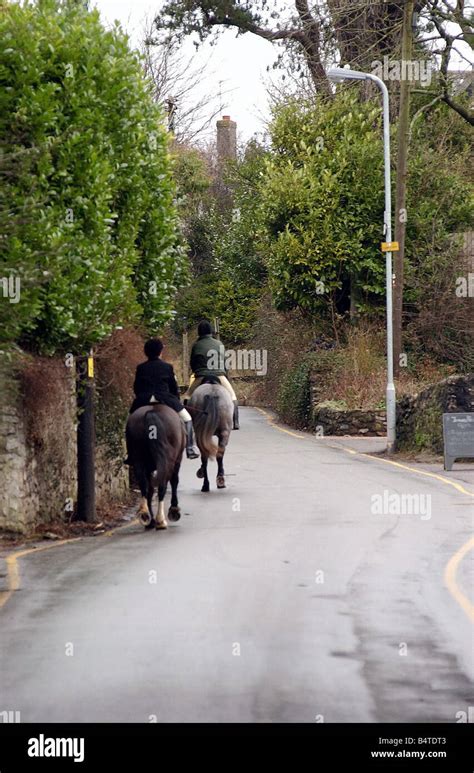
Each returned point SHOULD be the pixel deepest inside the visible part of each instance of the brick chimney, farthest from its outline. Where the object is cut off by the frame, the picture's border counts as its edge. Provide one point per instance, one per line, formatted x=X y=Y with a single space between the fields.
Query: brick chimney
x=226 y=140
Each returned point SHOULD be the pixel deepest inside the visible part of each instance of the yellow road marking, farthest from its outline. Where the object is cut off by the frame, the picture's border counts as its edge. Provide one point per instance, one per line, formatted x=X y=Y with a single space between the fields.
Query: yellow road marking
x=446 y=481
x=271 y=421
x=455 y=560
x=111 y=532
x=13 y=573
x=450 y=578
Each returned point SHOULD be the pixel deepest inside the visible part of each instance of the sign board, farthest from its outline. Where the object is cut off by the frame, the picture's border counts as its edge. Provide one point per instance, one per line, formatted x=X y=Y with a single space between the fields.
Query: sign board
x=390 y=246
x=458 y=433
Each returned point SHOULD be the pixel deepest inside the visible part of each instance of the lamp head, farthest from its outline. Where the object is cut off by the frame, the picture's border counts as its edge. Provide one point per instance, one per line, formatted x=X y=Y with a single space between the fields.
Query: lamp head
x=339 y=74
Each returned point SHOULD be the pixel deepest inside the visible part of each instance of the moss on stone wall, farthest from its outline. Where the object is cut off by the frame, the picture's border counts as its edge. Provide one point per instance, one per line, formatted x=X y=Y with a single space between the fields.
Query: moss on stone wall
x=419 y=418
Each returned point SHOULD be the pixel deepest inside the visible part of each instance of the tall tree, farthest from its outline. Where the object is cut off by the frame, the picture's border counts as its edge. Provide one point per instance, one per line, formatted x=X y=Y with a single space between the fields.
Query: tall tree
x=365 y=30
x=88 y=197
x=302 y=27
x=355 y=31
x=449 y=28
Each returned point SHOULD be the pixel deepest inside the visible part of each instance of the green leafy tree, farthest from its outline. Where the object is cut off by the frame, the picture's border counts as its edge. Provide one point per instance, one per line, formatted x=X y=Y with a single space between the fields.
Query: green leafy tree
x=90 y=192
x=440 y=210
x=323 y=202
x=223 y=238
x=196 y=204
x=239 y=249
x=322 y=199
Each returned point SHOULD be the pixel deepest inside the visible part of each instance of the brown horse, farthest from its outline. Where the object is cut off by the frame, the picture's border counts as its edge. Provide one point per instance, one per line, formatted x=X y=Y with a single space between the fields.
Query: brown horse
x=155 y=443
x=212 y=410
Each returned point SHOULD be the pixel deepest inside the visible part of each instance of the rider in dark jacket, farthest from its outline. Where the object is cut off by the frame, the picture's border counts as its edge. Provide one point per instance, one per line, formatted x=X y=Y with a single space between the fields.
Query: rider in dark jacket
x=155 y=378
x=155 y=382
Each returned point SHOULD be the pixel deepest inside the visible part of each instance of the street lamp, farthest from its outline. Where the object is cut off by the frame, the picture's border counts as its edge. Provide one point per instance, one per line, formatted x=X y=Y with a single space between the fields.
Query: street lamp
x=338 y=74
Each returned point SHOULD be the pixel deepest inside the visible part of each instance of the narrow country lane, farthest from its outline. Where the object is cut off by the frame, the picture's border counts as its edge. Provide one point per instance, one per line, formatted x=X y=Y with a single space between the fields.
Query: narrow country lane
x=282 y=598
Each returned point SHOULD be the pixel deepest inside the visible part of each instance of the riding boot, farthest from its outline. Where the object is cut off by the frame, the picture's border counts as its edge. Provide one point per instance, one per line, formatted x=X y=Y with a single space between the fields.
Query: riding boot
x=192 y=451
x=236 y=415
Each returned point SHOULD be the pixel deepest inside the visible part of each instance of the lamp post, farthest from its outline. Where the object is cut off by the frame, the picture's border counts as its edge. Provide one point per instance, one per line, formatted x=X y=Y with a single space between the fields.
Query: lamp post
x=338 y=74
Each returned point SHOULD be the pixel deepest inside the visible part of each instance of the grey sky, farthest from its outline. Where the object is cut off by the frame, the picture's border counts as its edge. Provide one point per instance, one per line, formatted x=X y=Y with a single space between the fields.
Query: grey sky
x=240 y=63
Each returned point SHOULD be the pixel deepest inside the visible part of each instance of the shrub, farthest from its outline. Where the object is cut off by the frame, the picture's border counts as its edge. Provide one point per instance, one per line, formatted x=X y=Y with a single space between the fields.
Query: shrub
x=209 y=297
x=322 y=201
x=93 y=233
x=294 y=396
x=116 y=360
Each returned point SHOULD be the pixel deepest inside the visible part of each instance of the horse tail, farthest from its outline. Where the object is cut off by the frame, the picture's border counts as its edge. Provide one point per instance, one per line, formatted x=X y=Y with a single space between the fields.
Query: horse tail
x=158 y=445
x=205 y=424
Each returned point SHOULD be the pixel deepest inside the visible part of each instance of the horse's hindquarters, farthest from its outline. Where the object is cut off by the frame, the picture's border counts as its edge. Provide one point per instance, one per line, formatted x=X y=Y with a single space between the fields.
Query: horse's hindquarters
x=155 y=440
x=212 y=410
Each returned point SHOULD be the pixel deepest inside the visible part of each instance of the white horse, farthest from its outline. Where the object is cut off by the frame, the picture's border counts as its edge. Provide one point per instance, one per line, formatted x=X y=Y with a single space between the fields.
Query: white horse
x=212 y=410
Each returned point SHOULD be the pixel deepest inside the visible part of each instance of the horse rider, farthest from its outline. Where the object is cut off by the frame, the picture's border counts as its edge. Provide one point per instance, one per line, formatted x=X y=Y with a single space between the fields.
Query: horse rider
x=208 y=359
x=155 y=382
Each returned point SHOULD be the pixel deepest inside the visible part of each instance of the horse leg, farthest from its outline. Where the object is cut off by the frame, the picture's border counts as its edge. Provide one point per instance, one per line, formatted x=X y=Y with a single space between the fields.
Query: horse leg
x=149 y=499
x=200 y=471
x=145 y=511
x=223 y=438
x=161 y=522
x=205 y=485
x=174 y=513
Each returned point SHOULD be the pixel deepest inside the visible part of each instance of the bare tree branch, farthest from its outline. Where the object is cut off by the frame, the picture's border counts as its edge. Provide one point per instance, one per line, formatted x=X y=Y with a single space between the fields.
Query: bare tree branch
x=177 y=86
x=449 y=40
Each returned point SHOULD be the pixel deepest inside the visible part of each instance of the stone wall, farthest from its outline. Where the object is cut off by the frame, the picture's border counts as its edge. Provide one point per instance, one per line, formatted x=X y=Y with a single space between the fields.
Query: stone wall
x=38 y=476
x=111 y=477
x=340 y=422
x=17 y=501
x=419 y=418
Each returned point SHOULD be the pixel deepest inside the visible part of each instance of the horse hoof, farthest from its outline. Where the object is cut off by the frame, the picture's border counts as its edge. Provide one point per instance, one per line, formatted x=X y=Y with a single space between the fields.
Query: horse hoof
x=220 y=480
x=150 y=525
x=205 y=487
x=161 y=525
x=200 y=473
x=145 y=518
x=174 y=514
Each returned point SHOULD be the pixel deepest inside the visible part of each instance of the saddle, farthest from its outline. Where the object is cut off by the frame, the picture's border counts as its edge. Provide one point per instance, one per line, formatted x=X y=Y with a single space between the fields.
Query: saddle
x=210 y=380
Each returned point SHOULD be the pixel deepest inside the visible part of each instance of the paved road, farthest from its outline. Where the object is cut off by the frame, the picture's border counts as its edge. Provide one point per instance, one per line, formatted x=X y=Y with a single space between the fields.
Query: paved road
x=284 y=597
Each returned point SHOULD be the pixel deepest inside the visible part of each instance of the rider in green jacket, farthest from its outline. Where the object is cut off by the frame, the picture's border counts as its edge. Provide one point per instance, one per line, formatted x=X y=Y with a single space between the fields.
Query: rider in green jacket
x=208 y=359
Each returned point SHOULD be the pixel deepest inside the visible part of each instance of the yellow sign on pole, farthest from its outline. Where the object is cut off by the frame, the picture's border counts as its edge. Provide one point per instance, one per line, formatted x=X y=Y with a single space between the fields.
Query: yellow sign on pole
x=390 y=247
x=90 y=367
